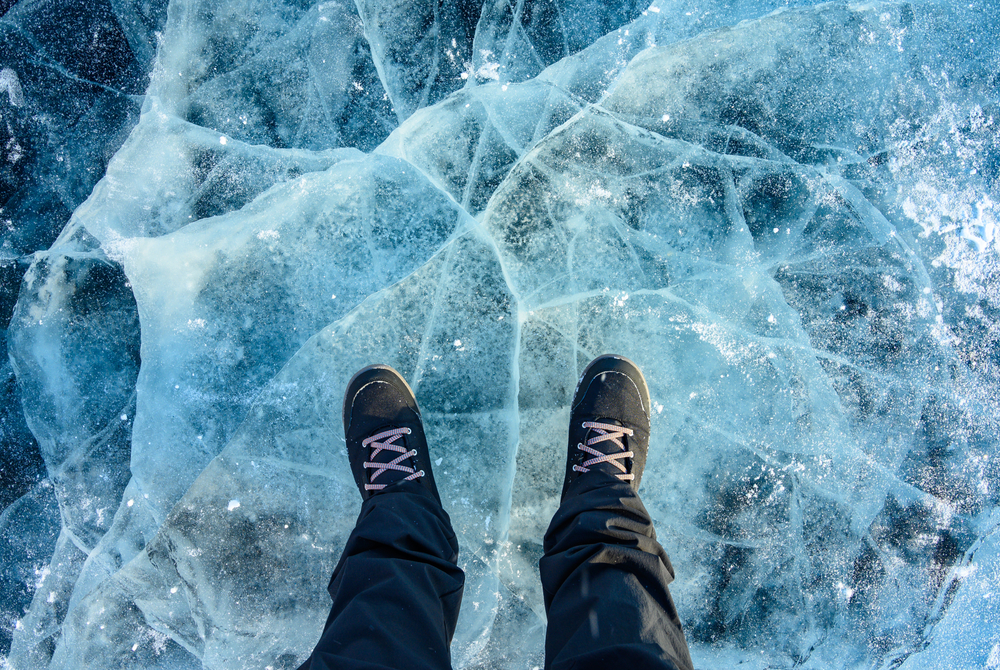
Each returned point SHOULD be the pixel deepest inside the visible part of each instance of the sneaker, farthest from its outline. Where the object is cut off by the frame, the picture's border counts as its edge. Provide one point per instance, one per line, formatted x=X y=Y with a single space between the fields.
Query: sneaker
x=609 y=422
x=385 y=436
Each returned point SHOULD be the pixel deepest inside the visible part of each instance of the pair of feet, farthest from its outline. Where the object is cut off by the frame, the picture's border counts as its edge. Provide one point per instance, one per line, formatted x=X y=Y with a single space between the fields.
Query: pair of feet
x=608 y=431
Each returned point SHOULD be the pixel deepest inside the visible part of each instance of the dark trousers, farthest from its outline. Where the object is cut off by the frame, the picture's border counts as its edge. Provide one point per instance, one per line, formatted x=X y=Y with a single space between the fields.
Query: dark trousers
x=397 y=589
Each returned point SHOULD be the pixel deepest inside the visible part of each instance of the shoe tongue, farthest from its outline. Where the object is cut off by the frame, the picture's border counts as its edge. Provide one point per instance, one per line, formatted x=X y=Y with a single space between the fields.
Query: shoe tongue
x=388 y=455
x=608 y=447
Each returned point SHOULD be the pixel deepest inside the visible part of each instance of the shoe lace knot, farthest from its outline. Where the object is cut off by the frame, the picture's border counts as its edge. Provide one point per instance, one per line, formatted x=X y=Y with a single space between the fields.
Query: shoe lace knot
x=606 y=432
x=386 y=441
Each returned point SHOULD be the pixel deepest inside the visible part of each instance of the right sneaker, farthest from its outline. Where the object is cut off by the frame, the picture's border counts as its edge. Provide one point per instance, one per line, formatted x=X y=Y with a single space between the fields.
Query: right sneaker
x=609 y=422
x=385 y=436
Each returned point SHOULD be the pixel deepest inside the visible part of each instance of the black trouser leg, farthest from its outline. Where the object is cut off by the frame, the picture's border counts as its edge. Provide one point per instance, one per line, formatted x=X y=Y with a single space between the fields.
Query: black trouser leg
x=605 y=578
x=396 y=590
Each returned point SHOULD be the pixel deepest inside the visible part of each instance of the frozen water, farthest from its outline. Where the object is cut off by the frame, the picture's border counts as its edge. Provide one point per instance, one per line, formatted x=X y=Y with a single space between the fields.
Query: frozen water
x=66 y=106
x=787 y=219
x=200 y=594
x=72 y=317
x=28 y=531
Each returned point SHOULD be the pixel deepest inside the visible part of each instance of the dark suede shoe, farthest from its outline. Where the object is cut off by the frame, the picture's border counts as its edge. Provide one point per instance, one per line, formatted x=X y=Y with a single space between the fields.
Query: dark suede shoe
x=385 y=436
x=609 y=422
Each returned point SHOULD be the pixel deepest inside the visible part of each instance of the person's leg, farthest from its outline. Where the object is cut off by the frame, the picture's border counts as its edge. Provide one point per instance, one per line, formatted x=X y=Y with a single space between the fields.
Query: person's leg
x=604 y=575
x=397 y=588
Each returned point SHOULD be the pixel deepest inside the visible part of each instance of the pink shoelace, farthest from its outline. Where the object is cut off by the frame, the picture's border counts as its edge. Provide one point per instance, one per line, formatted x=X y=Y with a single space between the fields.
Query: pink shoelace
x=389 y=445
x=605 y=432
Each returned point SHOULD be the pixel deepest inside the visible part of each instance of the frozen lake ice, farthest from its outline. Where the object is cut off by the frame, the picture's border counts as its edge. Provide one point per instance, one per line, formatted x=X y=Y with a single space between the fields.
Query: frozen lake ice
x=214 y=213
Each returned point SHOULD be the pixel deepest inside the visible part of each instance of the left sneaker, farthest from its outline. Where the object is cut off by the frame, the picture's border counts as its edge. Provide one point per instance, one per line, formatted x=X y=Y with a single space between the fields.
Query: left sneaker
x=385 y=436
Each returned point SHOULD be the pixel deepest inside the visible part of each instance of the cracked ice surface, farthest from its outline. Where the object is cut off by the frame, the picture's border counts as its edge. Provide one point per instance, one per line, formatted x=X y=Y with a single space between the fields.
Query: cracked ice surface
x=788 y=220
